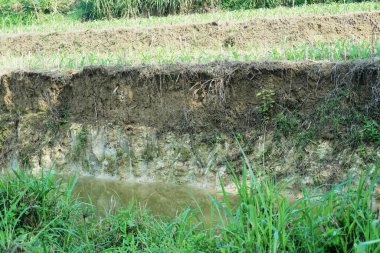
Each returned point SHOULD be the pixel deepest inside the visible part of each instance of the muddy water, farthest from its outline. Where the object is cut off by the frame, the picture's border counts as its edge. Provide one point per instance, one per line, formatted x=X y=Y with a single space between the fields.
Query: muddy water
x=160 y=198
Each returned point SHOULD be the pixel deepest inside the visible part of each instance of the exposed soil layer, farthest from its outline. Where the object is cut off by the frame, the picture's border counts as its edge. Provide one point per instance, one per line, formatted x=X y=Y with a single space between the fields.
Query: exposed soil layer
x=180 y=116
x=163 y=96
x=207 y=35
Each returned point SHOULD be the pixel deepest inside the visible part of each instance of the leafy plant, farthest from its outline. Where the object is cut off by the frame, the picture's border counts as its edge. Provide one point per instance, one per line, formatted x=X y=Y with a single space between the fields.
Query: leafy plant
x=371 y=131
x=267 y=101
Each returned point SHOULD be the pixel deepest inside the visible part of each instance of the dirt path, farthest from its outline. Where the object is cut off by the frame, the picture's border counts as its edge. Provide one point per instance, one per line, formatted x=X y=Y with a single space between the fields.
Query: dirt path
x=207 y=35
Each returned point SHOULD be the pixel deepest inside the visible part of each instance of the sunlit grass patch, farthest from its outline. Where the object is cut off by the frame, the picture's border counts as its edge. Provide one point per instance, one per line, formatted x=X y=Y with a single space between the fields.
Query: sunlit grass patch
x=62 y=23
x=338 y=50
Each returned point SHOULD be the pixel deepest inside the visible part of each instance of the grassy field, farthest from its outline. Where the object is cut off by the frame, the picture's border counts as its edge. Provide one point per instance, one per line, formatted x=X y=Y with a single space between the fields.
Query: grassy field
x=40 y=214
x=61 y=23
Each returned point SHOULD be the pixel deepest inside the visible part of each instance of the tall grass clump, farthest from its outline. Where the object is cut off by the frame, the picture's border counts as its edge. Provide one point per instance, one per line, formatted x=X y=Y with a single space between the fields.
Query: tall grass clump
x=15 y=12
x=253 y=4
x=26 y=12
x=35 y=211
x=100 y=9
x=341 y=219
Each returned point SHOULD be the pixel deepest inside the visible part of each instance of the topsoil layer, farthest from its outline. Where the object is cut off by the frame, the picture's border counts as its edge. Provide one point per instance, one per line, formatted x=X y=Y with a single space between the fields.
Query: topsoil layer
x=217 y=96
x=257 y=31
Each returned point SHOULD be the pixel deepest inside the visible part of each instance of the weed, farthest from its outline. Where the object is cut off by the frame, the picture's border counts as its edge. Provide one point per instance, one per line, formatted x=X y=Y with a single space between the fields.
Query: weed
x=306 y=136
x=35 y=210
x=365 y=153
x=79 y=144
x=267 y=101
x=285 y=124
x=4 y=132
x=57 y=118
x=27 y=11
x=99 y=9
x=371 y=131
x=239 y=137
x=150 y=152
x=184 y=154
x=266 y=221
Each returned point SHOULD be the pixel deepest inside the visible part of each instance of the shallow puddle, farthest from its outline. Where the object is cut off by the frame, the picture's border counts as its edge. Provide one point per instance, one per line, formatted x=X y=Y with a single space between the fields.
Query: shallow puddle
x=160 y=198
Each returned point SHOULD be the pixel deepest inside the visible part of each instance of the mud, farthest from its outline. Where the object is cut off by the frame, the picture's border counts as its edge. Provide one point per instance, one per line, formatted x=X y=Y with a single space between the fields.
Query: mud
x=208 y=35
x=182 y=123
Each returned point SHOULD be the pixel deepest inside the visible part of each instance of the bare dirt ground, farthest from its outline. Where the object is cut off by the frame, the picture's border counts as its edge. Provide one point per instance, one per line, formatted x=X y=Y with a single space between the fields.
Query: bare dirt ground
x=207 y=35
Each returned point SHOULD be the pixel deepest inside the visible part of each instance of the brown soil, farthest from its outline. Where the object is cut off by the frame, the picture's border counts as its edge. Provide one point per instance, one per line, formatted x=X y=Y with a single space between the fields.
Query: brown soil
x=181 y=97
x=258 y=32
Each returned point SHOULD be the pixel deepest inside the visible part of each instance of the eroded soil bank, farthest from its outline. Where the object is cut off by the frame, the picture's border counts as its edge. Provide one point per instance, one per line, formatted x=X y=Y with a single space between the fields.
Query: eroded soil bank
x=257 y=32
x=316 y=121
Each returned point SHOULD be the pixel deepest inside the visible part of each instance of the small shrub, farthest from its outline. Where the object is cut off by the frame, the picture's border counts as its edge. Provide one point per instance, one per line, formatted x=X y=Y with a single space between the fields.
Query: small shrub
x=267 y=101
x=371 y=131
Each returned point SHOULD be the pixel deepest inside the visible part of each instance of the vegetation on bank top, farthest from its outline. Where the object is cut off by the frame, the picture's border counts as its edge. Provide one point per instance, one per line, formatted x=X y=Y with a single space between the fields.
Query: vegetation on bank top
x=16 y=12
x=338 y=50
x=40 y=214
x=98 y=9
x=71 y=21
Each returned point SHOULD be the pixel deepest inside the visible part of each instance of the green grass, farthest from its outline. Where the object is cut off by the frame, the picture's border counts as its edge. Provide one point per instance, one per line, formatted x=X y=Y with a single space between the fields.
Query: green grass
x=39 y=214
x=26 y=11
x=62 y=23
x=100 y=9
x=339 y=50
